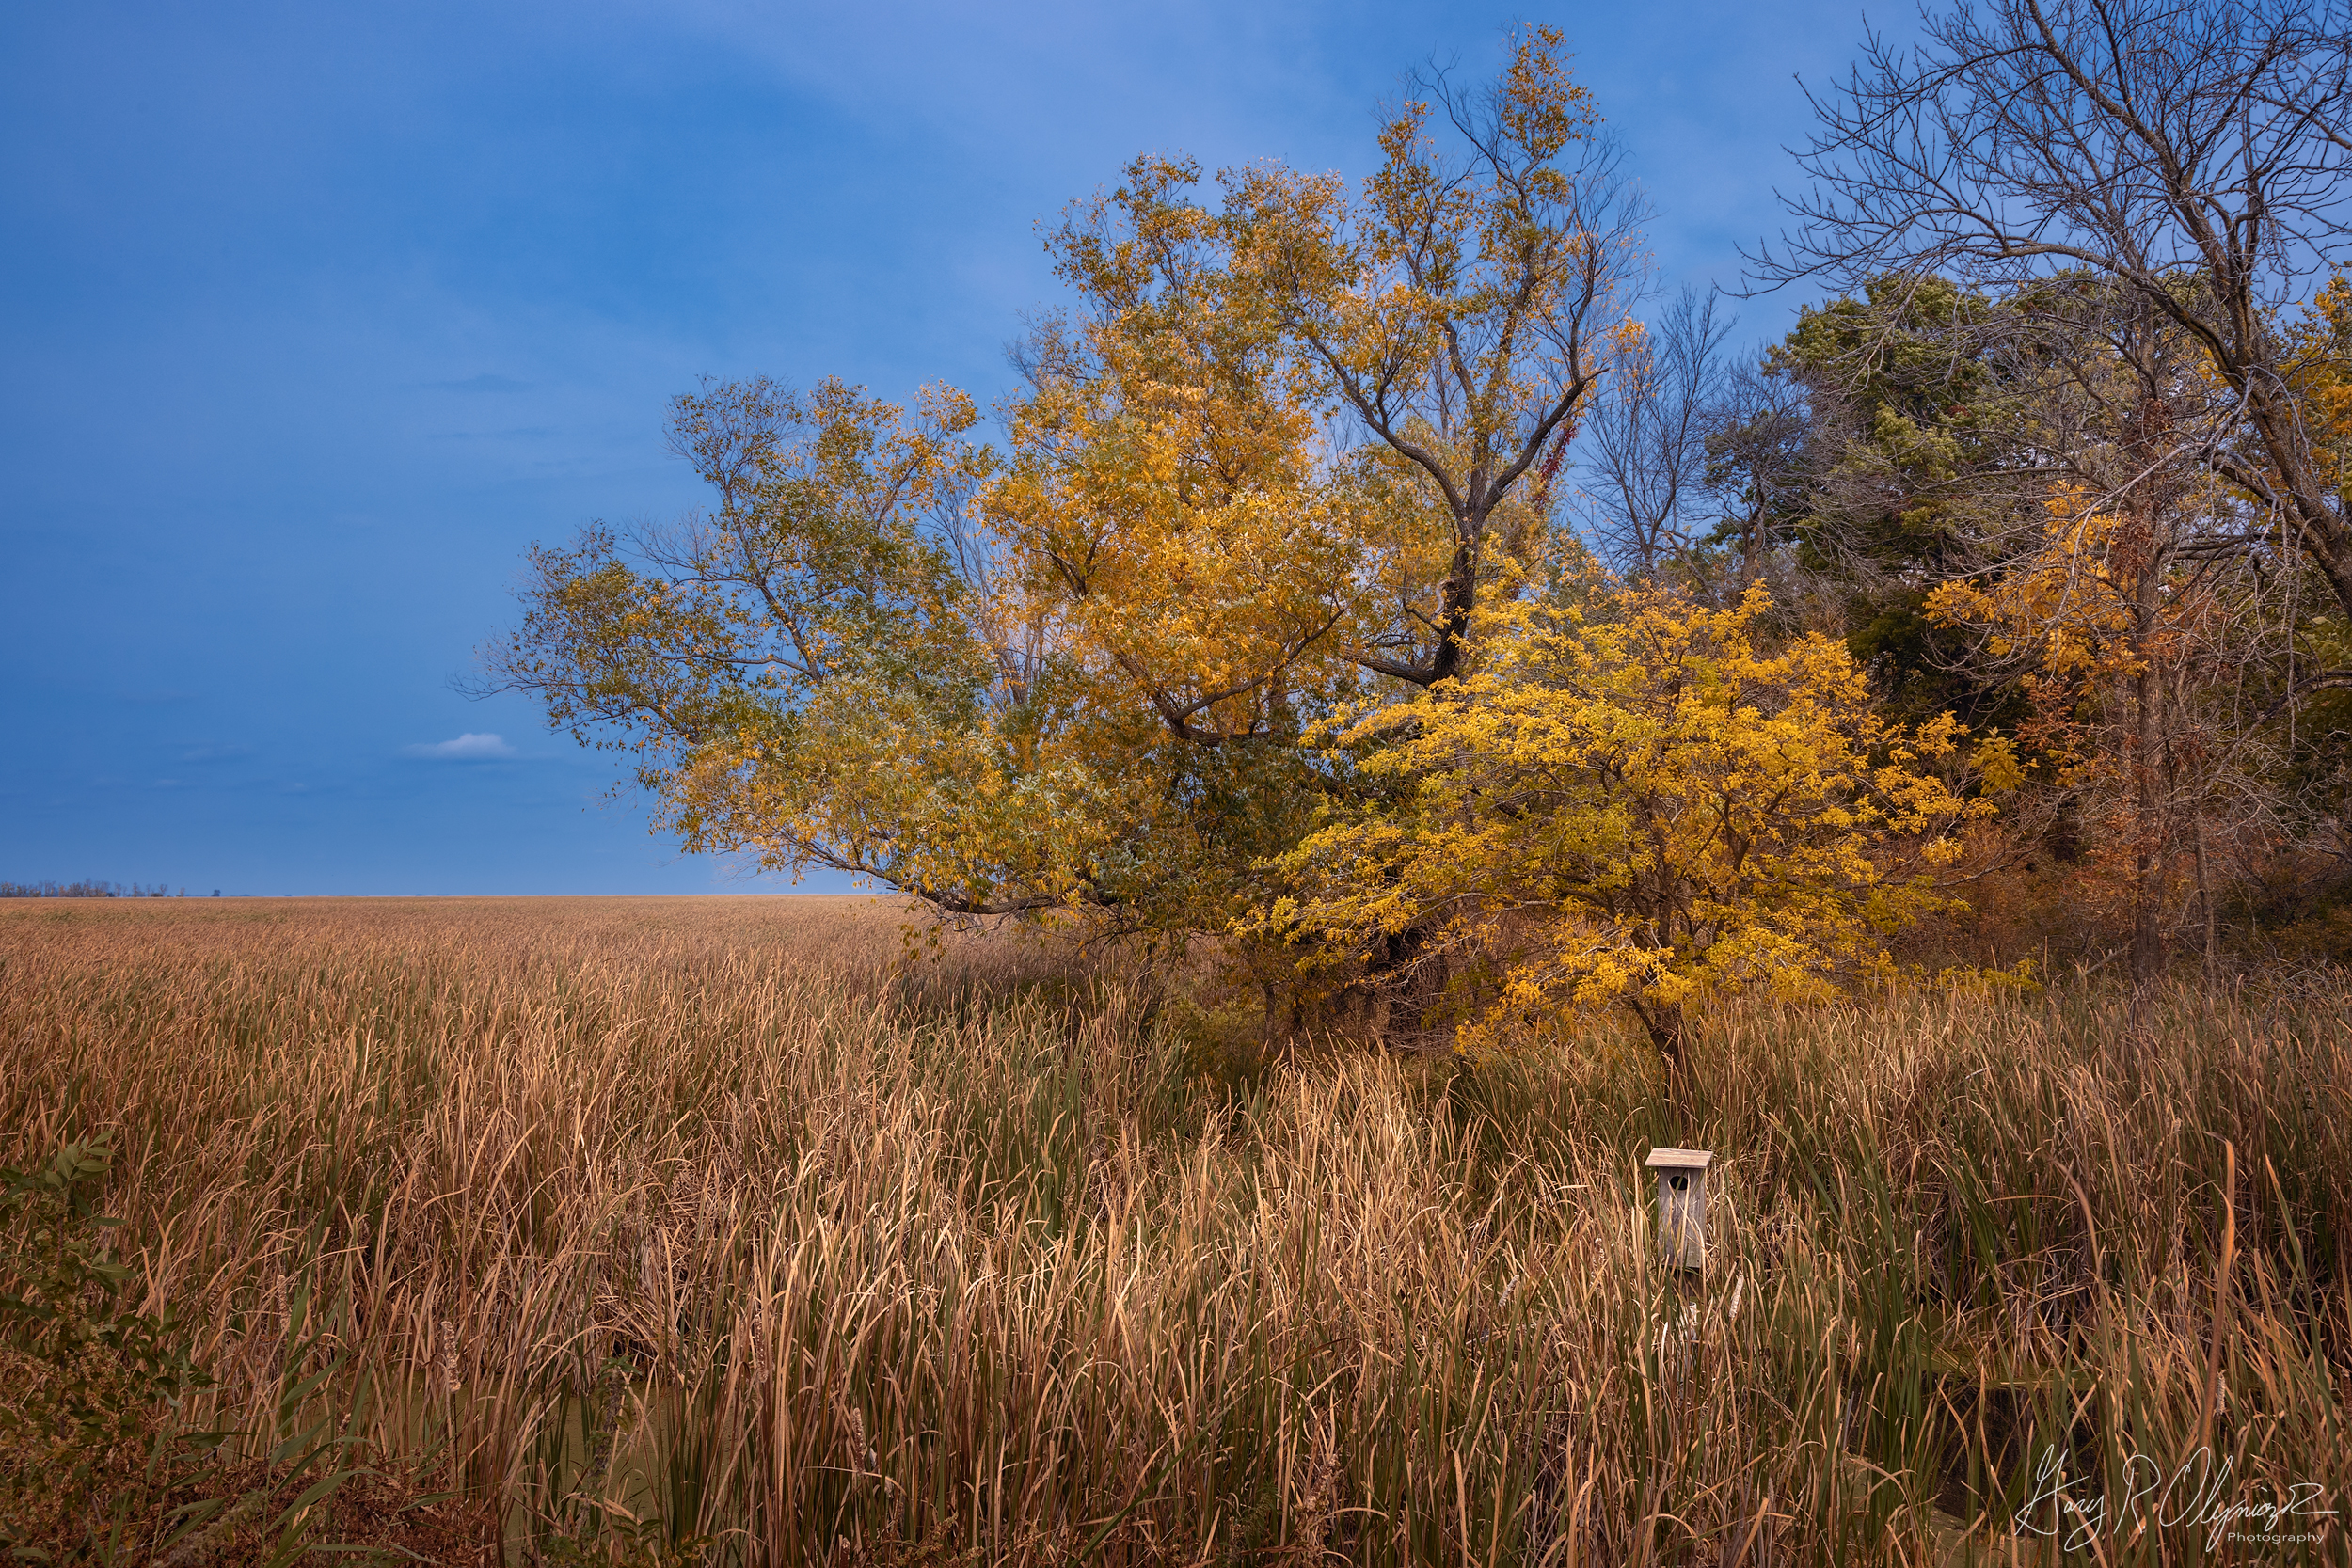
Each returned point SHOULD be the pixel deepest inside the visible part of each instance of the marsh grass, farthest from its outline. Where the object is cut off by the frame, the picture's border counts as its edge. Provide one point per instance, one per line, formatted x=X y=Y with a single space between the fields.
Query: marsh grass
x=656 y=1219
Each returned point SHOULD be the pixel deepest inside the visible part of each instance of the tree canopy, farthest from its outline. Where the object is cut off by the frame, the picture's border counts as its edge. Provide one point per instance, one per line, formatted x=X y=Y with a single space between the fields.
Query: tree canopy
x=1631 y=802
x=1268 y=466
x=1355 y=576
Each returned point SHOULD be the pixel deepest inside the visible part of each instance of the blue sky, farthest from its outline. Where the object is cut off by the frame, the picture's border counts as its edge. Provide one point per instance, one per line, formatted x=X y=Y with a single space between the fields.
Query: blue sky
x=313 y=316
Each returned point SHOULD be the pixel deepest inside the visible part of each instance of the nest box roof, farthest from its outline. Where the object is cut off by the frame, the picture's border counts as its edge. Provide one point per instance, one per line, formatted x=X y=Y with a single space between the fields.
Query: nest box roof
x=1679 y=1159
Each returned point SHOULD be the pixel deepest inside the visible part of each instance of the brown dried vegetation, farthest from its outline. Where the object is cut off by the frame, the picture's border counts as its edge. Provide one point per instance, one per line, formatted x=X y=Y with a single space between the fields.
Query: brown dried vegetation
x=648 y=1220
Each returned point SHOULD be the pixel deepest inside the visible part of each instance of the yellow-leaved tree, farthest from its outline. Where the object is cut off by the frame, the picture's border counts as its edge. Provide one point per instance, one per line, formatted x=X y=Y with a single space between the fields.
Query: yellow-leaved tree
x=1626 y=802
x=2156 y=614
x=1228 y=634
x=1265 y=466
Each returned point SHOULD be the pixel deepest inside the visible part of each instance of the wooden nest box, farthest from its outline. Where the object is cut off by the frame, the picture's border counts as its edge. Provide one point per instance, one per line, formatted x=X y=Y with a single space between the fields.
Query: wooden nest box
x=1682 y=1205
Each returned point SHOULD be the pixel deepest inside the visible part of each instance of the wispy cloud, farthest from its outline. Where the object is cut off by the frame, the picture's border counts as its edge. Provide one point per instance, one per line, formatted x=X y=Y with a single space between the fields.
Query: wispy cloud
x=484 y=383
x=465 y=748
x=208 y=751
x=521 y=433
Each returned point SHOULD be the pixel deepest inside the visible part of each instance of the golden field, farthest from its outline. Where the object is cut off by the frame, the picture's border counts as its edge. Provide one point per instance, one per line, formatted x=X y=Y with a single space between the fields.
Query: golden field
x=743 y=1219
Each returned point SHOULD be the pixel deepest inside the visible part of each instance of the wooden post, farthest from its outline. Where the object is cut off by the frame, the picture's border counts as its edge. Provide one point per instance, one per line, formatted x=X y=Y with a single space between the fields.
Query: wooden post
x=1682 y=1205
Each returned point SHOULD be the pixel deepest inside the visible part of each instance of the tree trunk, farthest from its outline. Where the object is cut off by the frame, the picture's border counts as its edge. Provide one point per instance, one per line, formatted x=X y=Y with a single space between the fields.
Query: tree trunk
x=2326 y=537
x=2147 y=936
x=2147 y=828
x=2204 y=905
x=1663 y=1020
x=1409 y=982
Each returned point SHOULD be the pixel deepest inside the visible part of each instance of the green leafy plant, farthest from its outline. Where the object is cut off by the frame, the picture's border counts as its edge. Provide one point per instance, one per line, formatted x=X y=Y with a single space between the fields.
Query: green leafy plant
x=89 y=1440
x=96 y=1464
x=616 y=1536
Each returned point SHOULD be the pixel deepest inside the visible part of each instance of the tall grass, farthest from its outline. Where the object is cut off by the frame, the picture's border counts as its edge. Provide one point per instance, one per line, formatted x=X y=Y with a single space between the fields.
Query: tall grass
x=706 y=1214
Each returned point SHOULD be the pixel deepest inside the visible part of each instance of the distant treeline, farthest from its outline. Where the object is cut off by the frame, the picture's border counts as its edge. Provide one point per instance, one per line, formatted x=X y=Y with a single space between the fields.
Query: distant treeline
x=84 y=889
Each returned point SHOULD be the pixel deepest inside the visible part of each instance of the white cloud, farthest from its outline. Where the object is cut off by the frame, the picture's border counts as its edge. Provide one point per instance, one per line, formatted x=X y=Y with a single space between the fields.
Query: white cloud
x=484 y=383
x=465 y=748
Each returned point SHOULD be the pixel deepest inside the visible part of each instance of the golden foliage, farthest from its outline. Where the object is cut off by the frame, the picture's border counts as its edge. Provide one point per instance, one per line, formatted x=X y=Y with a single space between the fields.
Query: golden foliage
x=2321 y=376
x=2119 y=629
x=1629 y=801
x=1077 y=671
